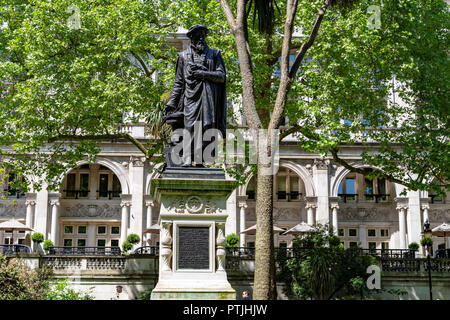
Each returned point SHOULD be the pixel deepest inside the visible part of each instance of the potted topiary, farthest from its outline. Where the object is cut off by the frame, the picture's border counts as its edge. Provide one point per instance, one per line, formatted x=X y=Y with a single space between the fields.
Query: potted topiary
x=37 y=239
x=413 y=246
x=133 y=239
x=126 y=246
x=425 y=242
x=232 y=241
x=48 y=244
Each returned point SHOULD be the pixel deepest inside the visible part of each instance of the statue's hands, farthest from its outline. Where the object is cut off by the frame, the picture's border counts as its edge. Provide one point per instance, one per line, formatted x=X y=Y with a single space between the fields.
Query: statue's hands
x=197 y=71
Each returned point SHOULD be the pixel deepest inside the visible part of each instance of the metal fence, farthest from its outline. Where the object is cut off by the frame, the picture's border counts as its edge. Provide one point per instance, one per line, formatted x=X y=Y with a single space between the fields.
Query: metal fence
x=8 y=249
x=95 y=251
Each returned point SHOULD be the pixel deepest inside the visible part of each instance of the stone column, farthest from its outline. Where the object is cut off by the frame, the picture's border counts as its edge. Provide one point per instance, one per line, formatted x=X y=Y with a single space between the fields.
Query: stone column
x=242 y=206
x=321 y=181
x=149 y=203
x=334 y=216
x=402 y=226
x=425 y=208
x=125 y=204
x=362 y=234
x=93 y=180
x=91 y=235
x=310 y=206
x=137 y=210
x=54 y=203
x=30 y=212
x=414 y=226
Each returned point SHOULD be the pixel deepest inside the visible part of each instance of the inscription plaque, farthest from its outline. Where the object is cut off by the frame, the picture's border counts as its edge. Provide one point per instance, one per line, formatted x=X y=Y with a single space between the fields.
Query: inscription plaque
x=193 y=248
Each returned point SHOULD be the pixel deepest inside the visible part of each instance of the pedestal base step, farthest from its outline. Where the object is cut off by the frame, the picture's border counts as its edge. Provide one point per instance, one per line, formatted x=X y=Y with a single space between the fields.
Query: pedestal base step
x=190 y=294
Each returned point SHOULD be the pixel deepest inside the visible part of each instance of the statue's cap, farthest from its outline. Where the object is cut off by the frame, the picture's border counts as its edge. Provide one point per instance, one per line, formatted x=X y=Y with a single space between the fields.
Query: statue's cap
x=195 y=28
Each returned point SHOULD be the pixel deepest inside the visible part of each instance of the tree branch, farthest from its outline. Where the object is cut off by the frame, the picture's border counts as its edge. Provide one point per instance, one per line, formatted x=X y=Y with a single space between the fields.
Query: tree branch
x=228 y=14
x=315 y=30
x=142 y=63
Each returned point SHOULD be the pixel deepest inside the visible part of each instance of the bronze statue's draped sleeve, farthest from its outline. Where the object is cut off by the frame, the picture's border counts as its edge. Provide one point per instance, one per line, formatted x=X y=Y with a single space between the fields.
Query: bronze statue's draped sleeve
x=175 y=103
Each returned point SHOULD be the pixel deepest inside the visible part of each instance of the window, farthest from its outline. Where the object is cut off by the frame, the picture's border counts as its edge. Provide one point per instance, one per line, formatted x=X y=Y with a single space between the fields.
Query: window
x=84 y=185
x=81 y=242
x=115 y=230
x=283 y=244
x=251 y=189
x=14 y=190
x=114 y=243
x=353 y=244
x=103 y=185
x=368 y=189
x=101 y=230
x=116 y=187
x=281 y=192
x=81 y=229
x=68 y=229
x=385 y=245
x=101 y=242
x=251 y=244
x=384 y=232
x=67 y=242
x=352 y=233
x=340 y=232
x=371 y=233
x=21 y=241
x=70 y=186
x=347 y=189
x=372 y=245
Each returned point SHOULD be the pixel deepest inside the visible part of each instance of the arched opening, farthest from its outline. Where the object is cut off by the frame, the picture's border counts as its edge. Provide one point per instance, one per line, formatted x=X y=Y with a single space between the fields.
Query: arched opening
x=368 y=217
x=89 y=210
x=287 y=186
x=289 y=192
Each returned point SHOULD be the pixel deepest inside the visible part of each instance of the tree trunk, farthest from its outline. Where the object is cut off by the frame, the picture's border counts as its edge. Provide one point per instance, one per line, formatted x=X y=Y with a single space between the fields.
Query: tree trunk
x=264 y=280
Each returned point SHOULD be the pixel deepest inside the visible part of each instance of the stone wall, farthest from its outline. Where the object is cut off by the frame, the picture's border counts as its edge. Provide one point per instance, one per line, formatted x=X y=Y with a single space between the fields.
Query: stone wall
x=102 y=274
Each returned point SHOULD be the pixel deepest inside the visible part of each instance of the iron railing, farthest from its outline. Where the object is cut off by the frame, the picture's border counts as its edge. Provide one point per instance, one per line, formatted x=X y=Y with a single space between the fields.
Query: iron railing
x=391 y=253
x=95 y=251
x=147 y=250
x=8 y=249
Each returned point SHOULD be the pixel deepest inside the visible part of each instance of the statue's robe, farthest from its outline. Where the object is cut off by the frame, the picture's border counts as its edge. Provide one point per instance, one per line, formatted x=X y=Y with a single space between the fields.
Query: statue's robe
x=200 y=100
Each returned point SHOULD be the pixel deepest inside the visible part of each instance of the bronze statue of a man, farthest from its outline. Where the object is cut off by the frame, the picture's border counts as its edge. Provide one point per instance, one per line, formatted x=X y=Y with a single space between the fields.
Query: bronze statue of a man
x=199 y=91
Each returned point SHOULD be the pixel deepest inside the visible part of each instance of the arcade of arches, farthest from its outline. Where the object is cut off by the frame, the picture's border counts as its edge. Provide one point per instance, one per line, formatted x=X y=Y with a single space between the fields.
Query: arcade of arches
x=100 y=204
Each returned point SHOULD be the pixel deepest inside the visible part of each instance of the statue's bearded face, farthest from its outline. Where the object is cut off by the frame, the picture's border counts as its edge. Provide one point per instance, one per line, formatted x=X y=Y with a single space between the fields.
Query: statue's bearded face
x=198 y=40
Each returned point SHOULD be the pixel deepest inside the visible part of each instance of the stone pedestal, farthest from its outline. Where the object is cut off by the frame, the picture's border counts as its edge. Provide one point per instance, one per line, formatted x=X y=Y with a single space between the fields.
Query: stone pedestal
x=192 y=235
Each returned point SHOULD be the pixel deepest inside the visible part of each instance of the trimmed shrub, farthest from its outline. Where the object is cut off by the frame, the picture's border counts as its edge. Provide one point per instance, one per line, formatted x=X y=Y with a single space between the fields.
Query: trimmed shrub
x=334 y=241
x=48 y=244
x=126 y=246
x=425 y=242
x=232 y=240
x=37 y=237
x=413 y=246
x=133 y=238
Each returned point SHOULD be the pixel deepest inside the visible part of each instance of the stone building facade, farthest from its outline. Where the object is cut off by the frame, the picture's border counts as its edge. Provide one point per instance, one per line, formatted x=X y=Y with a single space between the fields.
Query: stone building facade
x=100 y=204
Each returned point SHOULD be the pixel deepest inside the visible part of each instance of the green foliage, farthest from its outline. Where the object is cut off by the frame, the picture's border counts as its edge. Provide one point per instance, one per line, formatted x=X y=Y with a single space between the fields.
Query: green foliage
x=18 y=282
x=232 y=240
x=61 y=290
x=413 y=246
x=126 y=246
x=145 y=295
x=48 y=244
x=37 y=237
x=133 y=238
x=425 y=242
x=322 y=269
